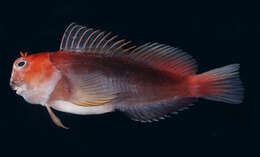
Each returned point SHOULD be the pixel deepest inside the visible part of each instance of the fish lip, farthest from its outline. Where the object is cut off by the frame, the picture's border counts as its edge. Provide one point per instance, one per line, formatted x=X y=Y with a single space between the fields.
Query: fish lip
x=15 y=85
x=18 y=89
x=15 y=88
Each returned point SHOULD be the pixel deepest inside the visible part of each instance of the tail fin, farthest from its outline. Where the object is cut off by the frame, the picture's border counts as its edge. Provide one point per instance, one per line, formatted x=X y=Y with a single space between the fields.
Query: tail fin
x=221 y=84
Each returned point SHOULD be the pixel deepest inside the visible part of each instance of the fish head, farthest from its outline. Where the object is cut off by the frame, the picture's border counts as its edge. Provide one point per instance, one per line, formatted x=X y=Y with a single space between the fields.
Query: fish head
x=20 y=67
x=29 y=76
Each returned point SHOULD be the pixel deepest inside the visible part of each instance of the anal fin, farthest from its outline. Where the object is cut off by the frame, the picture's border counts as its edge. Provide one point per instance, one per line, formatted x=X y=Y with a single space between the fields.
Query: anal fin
x=156 y=111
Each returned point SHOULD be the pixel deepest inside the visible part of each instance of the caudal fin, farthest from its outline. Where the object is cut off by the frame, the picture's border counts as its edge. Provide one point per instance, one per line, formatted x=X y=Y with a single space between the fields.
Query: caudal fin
x=221 y=84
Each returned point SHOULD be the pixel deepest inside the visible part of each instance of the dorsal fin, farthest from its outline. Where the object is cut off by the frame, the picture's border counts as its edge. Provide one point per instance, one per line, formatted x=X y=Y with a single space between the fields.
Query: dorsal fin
x=77 y=38
x=164 y=57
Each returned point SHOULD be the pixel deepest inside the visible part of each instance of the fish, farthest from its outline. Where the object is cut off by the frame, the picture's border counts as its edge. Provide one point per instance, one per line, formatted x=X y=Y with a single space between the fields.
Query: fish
x=95 y=73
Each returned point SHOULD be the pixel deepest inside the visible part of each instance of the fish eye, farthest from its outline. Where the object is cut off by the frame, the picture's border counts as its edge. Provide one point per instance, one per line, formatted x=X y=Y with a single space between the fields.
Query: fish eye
x=22 y=63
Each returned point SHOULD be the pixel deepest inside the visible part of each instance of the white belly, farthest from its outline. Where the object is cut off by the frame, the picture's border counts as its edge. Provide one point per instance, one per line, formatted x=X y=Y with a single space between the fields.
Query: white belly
x=68 y=107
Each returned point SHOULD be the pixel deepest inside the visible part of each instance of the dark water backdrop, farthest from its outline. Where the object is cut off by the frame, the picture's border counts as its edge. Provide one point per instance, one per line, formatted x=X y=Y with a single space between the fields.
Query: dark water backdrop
x=215 y=33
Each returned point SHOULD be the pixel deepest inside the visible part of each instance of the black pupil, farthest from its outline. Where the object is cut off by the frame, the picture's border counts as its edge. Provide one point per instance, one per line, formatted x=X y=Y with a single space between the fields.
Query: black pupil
x=22 y=63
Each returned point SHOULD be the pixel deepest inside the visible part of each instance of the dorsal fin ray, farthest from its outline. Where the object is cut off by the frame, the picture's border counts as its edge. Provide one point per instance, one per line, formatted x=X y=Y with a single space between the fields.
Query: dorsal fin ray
x=77 y=38
x=165 y=58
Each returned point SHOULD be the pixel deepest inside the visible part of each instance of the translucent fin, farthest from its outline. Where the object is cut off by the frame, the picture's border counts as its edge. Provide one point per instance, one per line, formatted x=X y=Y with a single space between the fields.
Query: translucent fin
x=77 y=38
x=91 y=90
x=88 y=87
x=82 y=39
x=165 y=57
x=221 y=84
x=156 y=111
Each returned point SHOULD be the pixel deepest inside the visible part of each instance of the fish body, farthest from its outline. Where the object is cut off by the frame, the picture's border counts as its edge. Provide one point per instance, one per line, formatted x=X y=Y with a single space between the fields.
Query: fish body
x=92 y=74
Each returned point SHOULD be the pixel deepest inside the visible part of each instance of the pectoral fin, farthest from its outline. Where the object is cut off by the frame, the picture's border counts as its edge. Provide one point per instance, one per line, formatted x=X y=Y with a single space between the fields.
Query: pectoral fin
x=55 y=119
x=88 y=85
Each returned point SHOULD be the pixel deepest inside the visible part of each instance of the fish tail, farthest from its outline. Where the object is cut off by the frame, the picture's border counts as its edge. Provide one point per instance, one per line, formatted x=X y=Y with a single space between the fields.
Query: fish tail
x=220 y=84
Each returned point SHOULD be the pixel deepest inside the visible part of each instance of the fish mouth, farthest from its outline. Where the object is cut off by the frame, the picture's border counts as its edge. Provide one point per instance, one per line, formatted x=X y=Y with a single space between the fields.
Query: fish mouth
x=16 y=87
x=19 y=89
x=13 y=86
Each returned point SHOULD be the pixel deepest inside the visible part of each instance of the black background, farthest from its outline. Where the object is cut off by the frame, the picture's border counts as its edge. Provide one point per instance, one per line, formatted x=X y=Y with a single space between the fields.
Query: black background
x=215 y=33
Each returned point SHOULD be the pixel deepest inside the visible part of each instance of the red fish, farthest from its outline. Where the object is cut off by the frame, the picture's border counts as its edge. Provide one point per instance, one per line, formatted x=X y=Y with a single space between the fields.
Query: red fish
x=92 y=73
